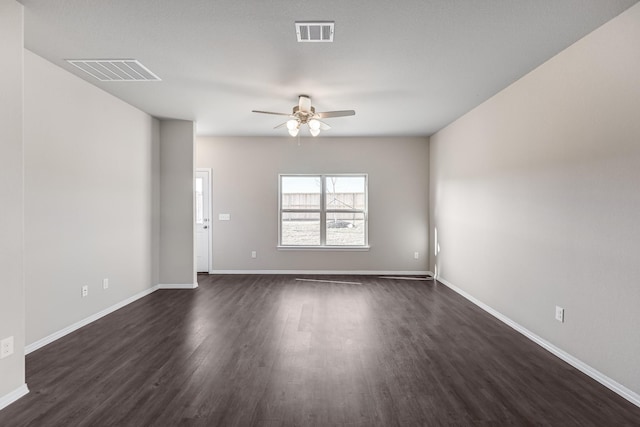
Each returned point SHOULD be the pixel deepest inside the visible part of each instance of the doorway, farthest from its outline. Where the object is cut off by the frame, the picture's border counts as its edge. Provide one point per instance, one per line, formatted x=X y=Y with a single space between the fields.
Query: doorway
x=202 y=226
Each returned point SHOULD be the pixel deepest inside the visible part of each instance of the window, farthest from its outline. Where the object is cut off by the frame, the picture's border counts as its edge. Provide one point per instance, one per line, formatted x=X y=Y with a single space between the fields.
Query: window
x=199 y=202
x=323 y=211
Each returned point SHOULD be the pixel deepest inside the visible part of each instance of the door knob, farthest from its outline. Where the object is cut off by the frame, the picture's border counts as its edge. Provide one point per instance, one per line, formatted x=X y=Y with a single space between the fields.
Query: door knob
x=205 y=227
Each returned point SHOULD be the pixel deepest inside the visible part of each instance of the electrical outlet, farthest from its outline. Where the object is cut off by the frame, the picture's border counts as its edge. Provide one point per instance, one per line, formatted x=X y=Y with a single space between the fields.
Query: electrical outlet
x=416 y=255
x=105 y=283
x=6 y=347
x=85 y=291
x=559 y=314
x=254 y=254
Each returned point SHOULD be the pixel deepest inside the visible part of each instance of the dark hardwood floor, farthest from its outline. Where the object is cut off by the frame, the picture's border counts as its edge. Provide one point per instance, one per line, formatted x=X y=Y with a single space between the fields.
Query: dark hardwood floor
x=273 y=351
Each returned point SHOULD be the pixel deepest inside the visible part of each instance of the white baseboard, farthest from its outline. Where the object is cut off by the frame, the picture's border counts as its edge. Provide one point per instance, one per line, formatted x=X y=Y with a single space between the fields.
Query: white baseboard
x=59 y=334
x=611 y=384
x=326 y=272
x=178 y=286
x=16 y=394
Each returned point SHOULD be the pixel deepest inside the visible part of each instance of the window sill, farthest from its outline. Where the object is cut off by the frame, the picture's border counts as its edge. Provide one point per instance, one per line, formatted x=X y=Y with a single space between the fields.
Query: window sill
x=325 y=248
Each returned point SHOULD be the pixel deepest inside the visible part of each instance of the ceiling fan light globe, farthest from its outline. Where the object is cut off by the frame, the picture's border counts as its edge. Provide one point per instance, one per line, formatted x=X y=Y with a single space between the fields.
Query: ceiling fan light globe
x=314 y=132
x=294 y=131
x=314 y=125
x=292 y=124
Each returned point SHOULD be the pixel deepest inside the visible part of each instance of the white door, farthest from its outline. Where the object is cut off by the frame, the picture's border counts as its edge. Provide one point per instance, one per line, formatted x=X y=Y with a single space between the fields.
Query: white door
x=203 y=220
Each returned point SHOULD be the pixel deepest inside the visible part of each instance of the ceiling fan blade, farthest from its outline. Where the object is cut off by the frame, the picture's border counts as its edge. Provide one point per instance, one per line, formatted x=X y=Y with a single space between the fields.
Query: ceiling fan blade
x=304 y=103
x=329 y=114
x=270 y=112
x=323 y=125
x=280 y=125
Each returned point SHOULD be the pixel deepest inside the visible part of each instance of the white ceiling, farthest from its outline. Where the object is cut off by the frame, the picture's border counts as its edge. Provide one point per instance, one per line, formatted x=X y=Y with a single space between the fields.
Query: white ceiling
x=408 y=67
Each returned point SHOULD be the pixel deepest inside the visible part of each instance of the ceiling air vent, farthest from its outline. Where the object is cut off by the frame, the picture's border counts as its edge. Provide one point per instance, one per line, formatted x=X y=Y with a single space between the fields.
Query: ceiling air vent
x=115 y=70
x=319 y=31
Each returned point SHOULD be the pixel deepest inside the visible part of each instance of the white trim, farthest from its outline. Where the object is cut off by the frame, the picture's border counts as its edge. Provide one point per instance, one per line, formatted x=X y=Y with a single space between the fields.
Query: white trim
x=178 y=286
x=325 y=248
x=611 y=384
x=11 y=397
x=331 y=272
x=65 y=331
x=71 y=328
x=209 y=172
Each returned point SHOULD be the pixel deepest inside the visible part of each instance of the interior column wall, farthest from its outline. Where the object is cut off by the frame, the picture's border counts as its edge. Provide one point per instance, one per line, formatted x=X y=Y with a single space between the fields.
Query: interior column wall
x=12 y=314
x=177 y=247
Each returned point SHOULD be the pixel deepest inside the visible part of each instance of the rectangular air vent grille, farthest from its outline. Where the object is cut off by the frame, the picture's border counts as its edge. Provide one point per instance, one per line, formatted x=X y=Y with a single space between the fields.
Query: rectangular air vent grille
x=315 y=31
x=115 y=70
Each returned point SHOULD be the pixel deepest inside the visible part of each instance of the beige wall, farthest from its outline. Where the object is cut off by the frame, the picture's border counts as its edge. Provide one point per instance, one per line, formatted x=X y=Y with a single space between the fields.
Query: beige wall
x=88 y=198
x=534 y=195
x=11 y=195
x=245 y=185
x=177 y=260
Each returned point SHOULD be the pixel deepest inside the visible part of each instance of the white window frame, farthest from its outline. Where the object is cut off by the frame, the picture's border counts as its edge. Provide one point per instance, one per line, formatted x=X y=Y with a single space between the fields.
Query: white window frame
x=323 y=211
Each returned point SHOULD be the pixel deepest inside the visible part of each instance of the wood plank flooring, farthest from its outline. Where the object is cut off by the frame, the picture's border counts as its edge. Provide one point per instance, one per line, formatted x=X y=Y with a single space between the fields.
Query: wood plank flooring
x=272 y=351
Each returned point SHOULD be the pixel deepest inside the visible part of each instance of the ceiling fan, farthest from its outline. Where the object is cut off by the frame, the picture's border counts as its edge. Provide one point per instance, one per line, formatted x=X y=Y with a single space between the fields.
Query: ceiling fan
x=305 y=114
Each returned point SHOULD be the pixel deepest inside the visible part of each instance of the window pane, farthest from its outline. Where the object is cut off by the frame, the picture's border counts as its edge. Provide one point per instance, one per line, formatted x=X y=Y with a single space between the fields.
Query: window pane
x=345 y=192
x=300 y=192
x=199 y=202
x=345 y=229
x=300 y=228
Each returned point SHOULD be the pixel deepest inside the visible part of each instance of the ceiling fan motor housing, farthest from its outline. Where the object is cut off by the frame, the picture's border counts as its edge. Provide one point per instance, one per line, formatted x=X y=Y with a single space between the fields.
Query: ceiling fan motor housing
x=303 y=116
